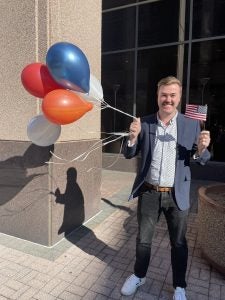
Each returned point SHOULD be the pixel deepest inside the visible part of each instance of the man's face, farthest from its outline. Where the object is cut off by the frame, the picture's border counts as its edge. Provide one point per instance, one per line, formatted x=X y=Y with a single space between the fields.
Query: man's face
x=169 y=98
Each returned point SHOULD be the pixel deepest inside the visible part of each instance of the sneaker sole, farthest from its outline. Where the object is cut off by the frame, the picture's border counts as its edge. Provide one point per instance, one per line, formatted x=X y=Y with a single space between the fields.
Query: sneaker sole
x=129 y=294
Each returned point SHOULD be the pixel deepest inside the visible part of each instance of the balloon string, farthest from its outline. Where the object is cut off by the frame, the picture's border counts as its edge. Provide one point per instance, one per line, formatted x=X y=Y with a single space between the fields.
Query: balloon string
x=122 y=112
x=111 y=133
x=109 y=106
x=90 y=150
x=76 y=158
x=115 y=161
x=99 y=147
x=99 y=108
x=85 y=154
x=106 y=105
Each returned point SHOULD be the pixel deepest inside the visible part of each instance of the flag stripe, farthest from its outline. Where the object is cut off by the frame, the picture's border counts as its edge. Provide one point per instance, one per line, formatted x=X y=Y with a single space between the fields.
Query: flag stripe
x=198 y=112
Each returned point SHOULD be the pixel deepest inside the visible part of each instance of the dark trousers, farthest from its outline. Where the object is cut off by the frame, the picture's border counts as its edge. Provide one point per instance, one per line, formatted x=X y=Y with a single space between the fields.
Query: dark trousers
x=150 y=205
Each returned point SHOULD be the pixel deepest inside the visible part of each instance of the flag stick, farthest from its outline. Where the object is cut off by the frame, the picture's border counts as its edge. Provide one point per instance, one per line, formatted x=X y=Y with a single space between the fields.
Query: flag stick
x=202 y=125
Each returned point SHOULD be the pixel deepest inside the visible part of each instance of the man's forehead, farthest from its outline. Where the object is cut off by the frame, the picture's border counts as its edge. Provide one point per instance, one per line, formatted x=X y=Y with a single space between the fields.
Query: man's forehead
x=170 y=88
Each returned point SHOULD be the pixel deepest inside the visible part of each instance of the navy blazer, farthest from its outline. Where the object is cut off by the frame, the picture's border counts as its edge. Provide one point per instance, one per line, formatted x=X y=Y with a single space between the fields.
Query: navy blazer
x=188 y=131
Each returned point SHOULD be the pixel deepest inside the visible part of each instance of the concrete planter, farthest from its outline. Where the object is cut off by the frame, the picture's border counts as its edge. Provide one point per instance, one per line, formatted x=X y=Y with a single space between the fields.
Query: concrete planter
x=211 y=230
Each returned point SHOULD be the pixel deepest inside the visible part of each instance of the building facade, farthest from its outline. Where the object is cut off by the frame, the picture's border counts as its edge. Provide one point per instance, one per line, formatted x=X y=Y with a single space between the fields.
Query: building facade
x=42 y=198
x=143 y=41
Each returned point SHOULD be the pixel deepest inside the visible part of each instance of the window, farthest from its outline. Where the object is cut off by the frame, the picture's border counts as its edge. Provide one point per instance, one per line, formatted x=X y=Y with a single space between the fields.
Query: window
x=118 y=84
x=106 y=4
x=153 y=64
x=118 y=29
x=136 y=56
x=208 y=18
x=207 y=87
x=158 y=22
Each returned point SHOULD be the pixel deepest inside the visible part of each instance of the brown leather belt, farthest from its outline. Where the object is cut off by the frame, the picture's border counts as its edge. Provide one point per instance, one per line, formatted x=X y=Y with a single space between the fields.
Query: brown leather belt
x=158 y=188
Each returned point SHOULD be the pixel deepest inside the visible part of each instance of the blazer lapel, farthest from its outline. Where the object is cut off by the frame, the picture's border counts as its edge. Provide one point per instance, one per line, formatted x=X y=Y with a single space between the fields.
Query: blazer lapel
x=152 y=131
x=180 y=128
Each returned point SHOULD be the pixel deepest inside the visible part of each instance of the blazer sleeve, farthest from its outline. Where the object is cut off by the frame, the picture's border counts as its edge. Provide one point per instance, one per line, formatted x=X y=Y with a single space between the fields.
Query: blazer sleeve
x=132 y=151
x=205 y=156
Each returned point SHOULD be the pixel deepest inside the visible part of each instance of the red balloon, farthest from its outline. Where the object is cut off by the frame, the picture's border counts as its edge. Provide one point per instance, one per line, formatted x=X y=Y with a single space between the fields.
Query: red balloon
x=37 y=80
x=64 y=107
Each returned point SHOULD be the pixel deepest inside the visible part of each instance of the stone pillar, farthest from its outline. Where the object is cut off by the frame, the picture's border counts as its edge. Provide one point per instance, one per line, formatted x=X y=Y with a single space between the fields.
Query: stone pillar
x=42 y=202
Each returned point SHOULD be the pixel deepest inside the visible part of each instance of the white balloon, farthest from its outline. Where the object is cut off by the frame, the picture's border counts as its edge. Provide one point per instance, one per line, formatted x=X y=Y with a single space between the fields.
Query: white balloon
x=96 y=90
x=95 y=94
x=42 y=132
x=85 y=97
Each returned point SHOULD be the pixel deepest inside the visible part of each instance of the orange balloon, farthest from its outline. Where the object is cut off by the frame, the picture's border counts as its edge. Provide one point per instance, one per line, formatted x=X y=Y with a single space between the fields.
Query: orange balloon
x=64 y=107
x=89 y=105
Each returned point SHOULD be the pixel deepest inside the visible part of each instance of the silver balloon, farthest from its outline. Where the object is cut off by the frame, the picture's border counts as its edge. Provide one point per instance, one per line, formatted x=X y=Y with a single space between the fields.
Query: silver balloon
x=42 y=132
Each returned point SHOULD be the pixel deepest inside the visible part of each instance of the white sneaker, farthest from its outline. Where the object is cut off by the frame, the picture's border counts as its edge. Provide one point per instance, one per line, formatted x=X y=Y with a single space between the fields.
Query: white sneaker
x=179 y=294
x=131 y=284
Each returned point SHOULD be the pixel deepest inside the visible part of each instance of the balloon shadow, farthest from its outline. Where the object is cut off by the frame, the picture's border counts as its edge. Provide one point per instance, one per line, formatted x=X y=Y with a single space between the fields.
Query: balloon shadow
x=73 y=202
x=85 y=239
x=131 y=213
x=121 y=207
x=14 y=175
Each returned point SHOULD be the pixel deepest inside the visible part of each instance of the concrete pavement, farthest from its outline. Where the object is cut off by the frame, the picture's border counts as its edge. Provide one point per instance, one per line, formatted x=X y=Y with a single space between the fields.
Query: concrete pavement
x=93 y=262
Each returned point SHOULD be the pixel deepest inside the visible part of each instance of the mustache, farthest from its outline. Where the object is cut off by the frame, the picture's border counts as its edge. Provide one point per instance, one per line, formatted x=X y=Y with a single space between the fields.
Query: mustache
x=167 y=102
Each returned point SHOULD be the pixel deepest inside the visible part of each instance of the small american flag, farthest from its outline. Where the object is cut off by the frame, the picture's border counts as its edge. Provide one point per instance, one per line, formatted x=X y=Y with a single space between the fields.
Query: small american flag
x=198 y=112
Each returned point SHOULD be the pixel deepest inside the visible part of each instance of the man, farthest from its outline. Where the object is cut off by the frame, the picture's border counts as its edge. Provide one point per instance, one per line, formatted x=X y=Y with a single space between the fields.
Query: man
x=166 y=141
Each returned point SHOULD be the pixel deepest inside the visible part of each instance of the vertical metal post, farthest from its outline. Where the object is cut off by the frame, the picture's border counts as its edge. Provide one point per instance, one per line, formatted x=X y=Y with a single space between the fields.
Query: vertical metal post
x=204 y=81
x=115 y=89
x=135 y=61
x=189 y=52
x=181 y=38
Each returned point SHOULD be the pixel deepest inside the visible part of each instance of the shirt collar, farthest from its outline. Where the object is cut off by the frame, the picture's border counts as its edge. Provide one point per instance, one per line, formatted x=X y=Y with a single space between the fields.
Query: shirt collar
x=170 y=122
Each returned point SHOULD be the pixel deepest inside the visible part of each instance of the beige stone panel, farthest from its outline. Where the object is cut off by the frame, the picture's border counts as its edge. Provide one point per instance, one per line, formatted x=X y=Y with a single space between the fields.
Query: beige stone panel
x=79 y=22
x=24 y=191
x=28 y=28
x=75 y=187
x=17 y=49
x=88 y=127
x=42 y=202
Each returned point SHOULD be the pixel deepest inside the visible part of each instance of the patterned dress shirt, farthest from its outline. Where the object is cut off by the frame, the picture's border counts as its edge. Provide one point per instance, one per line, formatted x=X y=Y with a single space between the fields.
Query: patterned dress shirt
x=162 y=169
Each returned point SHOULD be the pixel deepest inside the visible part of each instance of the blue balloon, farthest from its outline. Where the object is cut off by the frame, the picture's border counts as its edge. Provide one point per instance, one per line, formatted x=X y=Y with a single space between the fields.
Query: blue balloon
x=69 y=66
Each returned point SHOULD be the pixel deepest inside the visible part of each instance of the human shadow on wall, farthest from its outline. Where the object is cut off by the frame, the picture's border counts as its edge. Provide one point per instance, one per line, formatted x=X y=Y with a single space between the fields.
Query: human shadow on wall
x=16 y=172
x=73 y=201
x=74 y=216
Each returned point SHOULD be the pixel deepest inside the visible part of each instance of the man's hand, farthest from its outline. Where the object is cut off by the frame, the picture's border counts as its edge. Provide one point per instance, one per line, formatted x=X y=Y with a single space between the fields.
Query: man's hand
x=203 y=141
x=135 y=129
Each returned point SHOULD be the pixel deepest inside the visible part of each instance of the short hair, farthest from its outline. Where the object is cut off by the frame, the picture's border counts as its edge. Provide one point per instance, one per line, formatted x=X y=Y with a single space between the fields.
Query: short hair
x=169 y=80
